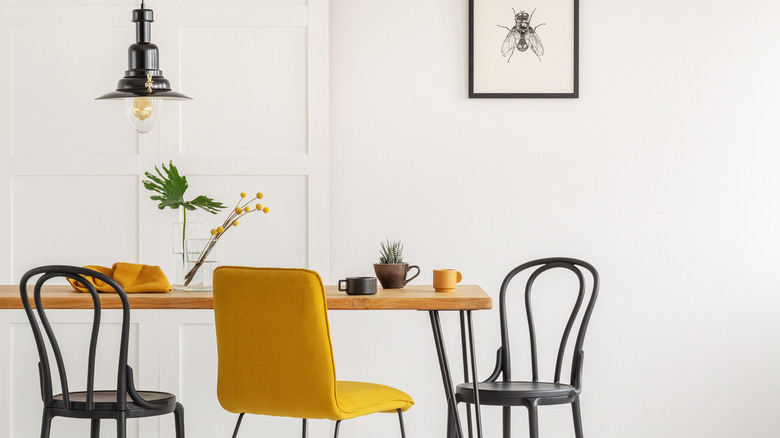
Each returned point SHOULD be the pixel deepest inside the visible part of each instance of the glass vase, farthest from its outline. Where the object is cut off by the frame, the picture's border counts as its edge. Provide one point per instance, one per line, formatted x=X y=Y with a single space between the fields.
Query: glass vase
x=203 y=259
x=180 y=234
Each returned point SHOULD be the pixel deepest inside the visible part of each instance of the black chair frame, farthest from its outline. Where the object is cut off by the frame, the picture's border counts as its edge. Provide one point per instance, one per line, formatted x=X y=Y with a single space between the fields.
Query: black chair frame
x=90 y=404
x=535 y=393
x=305 y=426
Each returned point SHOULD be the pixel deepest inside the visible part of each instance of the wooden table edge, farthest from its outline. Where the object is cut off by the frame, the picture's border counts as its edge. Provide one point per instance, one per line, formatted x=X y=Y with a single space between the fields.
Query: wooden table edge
x=466 y=297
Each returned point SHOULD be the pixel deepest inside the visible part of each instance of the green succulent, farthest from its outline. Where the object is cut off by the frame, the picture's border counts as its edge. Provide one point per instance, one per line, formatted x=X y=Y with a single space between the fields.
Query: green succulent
x=391 y=252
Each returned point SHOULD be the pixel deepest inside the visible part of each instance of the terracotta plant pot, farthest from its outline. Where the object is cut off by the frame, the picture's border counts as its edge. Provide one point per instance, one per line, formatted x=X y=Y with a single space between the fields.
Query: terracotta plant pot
x=393 y=275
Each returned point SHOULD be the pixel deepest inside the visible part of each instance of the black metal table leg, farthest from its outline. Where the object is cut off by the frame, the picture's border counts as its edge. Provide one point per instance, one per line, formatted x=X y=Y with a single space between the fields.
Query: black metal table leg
x=465 y=356
x=446 y=376
x=477 y=412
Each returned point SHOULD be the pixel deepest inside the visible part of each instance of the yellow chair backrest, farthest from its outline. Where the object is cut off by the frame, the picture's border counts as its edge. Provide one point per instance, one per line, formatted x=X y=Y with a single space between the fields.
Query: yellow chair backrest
x=273 y=343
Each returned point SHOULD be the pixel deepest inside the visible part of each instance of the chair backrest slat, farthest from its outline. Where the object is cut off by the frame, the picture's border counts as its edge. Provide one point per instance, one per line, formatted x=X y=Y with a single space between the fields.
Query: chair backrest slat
x=52 y=339
x=44 y=371
x=77 y=274
x=92 y=346
x=544 y=265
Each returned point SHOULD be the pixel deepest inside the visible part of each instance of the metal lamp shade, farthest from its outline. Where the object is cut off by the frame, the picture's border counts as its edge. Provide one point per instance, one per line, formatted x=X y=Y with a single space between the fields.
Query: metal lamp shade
x=143 y=78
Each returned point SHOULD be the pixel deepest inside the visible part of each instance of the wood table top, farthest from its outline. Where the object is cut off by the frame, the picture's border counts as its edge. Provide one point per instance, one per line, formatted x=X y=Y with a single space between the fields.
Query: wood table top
x=465 y=297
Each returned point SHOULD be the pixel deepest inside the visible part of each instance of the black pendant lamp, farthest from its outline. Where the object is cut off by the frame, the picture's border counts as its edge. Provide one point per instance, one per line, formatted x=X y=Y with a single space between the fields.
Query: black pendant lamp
x=143 y=86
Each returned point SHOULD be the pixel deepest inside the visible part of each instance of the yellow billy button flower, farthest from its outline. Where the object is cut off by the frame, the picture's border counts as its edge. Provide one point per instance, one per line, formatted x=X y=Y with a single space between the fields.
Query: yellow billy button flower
x=243 y=195
x=220 y=230
x=265 y=209
x=235 y=223
x=259 y=195
x=246 y=209
x=213 y=232
x=238 y=210
x=259 y=206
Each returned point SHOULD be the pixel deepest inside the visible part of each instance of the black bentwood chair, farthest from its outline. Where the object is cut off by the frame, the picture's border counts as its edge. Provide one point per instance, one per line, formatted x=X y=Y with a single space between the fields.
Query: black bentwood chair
x=120 y=404
x=532 y=394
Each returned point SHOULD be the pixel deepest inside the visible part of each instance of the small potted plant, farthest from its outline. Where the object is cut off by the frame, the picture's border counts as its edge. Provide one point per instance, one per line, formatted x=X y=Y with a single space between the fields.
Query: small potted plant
x=391 y=271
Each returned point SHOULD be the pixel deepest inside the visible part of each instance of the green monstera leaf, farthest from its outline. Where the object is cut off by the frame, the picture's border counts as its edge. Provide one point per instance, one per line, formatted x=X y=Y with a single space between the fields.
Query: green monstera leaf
x=170 y=187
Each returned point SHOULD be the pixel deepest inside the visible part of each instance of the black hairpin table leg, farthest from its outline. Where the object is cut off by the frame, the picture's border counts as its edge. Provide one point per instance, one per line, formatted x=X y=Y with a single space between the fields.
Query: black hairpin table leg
x=468 y=350
x=477 y=412
x=446 y=376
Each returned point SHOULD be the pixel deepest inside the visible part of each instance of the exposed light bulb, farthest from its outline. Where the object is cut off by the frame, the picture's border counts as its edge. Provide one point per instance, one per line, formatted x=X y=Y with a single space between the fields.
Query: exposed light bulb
x=143 y=112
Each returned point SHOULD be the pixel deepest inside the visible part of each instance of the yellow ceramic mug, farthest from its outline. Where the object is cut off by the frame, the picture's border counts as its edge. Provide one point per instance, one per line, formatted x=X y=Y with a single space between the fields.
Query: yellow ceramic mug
x=445 y=280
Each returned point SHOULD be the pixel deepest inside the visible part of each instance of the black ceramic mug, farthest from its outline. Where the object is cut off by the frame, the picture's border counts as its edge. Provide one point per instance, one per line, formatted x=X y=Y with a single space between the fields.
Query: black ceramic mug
x=359 y=285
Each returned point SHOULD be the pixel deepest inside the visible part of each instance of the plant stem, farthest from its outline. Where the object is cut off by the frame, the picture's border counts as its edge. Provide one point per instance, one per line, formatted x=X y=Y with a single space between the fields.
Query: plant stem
x=202 y=258
x=183 y=234
x=233 y=216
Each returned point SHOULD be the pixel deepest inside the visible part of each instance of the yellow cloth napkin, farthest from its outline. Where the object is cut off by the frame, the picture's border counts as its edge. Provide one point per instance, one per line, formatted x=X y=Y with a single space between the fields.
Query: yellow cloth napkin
x=131 y=276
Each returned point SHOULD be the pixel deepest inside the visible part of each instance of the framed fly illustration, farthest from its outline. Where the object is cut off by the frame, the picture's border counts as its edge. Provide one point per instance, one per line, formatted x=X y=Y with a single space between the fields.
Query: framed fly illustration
x=524 y=48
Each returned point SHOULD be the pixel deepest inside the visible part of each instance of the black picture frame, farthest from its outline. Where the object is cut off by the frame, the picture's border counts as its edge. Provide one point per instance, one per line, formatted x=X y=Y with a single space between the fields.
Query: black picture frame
x=489 y=80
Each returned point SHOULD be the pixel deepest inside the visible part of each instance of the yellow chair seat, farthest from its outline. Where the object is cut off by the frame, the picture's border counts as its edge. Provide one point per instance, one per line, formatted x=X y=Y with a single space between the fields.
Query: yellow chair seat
x=357 y=398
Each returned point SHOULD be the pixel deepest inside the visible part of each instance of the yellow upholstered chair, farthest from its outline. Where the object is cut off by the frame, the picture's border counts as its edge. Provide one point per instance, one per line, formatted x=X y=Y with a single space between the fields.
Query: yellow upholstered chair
x=275 y=355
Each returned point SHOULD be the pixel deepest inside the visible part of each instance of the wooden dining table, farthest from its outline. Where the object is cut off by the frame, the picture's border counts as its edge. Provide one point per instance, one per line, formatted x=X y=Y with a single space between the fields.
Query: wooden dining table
x=464 y=299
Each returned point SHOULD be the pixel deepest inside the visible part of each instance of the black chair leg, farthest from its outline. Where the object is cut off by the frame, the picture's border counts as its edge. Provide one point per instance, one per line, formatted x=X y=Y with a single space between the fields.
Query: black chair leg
x=121 y=425
x=468 y=420
x=304 y=429
x=533 y=419
x=94 y=431
x=450 y=425
x=336 y=434
x=178 y=420
x=575 y=410
x=238 y=424
x=507 y=418
x=401 y=422
x=46 y=425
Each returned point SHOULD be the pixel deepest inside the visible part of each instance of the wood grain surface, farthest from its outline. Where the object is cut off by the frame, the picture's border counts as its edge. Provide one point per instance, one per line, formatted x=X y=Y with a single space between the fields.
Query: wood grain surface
x=465 y=297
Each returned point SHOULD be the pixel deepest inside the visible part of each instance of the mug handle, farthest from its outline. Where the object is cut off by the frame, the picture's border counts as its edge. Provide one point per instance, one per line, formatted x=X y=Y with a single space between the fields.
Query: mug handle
x=345 y=287
x=415 y=275
x=460 y=277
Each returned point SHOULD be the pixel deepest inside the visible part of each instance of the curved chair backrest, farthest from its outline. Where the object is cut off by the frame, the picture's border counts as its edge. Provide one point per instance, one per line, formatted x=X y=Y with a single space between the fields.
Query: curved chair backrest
x=80 y=275
x=577 y=267
x=273 y=343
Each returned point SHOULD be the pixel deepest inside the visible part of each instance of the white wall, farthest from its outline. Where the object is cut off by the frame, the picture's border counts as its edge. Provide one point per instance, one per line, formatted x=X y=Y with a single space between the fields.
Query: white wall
x=663 y=174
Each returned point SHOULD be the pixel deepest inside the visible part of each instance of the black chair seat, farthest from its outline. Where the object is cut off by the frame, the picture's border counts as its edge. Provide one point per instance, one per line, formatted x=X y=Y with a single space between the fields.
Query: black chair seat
x=106 y=401
x=500 y=393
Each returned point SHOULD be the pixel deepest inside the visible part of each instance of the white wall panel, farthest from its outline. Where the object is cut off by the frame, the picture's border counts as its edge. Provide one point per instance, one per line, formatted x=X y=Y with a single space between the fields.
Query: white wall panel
x=261 y=106
x=274 y=239
x=73 y=168
x=74 y=220
x=6 y=90
x=199 y=383
x=54 y=87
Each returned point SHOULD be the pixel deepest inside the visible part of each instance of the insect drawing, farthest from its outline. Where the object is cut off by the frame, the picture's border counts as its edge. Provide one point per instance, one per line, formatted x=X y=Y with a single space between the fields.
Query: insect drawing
x=521 y=36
